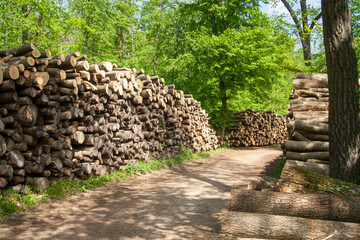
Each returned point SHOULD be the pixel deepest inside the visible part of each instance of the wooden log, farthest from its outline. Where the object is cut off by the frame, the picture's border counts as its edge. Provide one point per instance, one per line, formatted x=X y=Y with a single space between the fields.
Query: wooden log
x=304 y=156
x=6 y=171
x=320 y=116
x=298 y=136
x=306 y=146
x=8 y=86
x=3 y=182
x=27 y=62
x=6 y=58
x=307 y=205
x=78 y=137
x=258 y=225
x=106 y=66
x=45 y=54
x=9 y=97
x=16 y=159
x=310 y=106
x=82 y=66
x=315 y=137
x=322 y=168
x=27 y=115
x=57 y=72
x=307 y=81
x=70 y=62
x=296 y=179
x=94 y=68
x=9 y=71
x=31 y=92
x=311 y=126
x=19 y=51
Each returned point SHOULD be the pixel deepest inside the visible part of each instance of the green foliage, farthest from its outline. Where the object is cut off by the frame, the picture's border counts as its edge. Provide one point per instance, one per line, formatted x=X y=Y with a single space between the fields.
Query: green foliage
x=12 y=201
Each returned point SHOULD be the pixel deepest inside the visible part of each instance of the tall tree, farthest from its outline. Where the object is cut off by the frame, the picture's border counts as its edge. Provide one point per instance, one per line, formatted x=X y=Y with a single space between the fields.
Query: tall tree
x=304 y=24
x=344 y=90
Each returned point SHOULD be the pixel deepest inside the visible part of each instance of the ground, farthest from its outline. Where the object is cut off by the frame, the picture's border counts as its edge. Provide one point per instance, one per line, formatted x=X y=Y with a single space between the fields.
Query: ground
x=182 y=202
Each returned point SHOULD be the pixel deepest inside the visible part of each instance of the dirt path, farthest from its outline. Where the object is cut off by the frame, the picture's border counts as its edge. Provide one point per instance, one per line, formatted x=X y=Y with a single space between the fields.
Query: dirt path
x=173 y=203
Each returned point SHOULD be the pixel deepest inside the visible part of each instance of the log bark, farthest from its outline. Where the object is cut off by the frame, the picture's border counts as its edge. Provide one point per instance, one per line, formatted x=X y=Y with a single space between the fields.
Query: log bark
x=307 y=205
x=257 y=225
x=304 y=156
x=9 y=71
x=6 y=171
x=295 y=179
x=27 y=115
x=306 y=146
x=311 y=126
x=322 y=168
x=16 y=159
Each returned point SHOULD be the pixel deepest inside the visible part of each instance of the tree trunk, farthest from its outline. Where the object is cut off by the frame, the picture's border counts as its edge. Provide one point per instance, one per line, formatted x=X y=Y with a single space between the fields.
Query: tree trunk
x=306 y=146
x=157 y=39
x=343 y=88
x=257 y=225
x=121 y=43
x=223 y=107
x=25 y=32
x=306 y=45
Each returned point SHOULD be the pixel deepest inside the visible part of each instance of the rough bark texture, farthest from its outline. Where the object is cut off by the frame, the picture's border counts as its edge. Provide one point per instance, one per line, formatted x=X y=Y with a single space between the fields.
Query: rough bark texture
x=308 y=205
x=296 y=179
x=306 y=146
x=343 y=89
x=257 y=225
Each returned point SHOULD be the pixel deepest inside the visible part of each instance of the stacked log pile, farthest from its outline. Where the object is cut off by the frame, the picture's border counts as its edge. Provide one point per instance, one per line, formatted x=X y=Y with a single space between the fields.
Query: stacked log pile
x=256 y=128
x=64 y=118
x=308 y=119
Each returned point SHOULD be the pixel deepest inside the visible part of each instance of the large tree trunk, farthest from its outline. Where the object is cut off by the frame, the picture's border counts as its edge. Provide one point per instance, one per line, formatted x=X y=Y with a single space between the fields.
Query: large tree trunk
x=257 y=225
x=343 y=89
x=308 y=205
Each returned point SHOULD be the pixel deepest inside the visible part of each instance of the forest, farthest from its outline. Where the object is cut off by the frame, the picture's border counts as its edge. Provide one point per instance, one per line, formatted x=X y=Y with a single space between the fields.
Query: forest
x=229 y=54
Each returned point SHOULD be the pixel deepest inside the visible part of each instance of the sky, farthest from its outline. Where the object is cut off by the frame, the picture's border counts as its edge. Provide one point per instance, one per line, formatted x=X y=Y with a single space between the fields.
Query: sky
x=280 y=8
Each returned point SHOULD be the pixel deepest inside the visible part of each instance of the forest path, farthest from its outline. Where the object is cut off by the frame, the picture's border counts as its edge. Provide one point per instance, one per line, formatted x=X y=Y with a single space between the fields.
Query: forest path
x=182 y=202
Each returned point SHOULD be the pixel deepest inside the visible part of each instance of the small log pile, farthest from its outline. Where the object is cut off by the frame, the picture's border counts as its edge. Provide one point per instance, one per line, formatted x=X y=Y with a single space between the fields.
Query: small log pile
x=308 y=119
x=256 y=128
x=308 y=205
x=61 y=117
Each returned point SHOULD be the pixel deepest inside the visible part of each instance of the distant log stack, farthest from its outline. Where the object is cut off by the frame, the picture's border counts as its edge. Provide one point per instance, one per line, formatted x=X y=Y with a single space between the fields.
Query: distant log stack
x=256 y=128
x=63 y=118
x=308 y=119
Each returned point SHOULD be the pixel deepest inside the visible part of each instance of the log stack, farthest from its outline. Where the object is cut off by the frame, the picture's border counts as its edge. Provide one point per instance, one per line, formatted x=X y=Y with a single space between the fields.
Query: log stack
x=63 y=118
x=308 y=119
x=256 y=128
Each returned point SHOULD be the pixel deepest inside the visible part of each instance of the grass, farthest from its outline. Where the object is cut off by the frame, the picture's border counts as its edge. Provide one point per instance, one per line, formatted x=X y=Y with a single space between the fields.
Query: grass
x=12 y=201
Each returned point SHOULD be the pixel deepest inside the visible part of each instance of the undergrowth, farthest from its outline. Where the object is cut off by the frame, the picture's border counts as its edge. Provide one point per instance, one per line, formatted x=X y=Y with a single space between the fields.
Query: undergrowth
x=12 y=201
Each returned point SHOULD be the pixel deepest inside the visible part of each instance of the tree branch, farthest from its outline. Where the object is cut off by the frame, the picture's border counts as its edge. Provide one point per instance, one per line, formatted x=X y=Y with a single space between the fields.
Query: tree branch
x=293 y=15
x=315 y=20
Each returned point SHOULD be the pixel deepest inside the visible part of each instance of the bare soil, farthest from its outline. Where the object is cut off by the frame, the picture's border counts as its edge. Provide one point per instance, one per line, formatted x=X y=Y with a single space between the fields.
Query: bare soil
x=182 y=202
